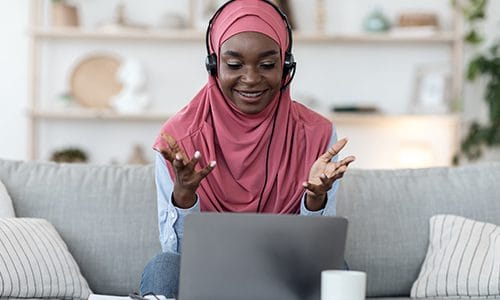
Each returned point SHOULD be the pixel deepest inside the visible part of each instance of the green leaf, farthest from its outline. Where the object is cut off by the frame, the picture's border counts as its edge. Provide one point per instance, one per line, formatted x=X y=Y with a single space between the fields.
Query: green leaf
x=475 y=10
x=487 y=66
x=473 y=69
x=473 y=37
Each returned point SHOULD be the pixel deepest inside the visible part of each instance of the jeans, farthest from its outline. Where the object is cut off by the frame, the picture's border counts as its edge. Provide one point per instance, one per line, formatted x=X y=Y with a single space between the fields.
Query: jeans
x=161 y=275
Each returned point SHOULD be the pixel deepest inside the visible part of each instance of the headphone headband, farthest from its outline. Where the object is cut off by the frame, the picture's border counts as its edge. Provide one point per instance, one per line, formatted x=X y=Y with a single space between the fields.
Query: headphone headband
x=211 y=60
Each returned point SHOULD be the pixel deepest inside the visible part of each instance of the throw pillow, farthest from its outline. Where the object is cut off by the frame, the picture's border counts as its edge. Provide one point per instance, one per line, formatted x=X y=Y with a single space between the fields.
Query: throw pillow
x=463 y=259
x=6 y=209
x=35 y=262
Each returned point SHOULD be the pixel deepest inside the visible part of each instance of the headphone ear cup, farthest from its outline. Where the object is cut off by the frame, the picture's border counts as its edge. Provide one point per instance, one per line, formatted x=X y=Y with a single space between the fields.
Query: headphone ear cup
x=289 y=64
x=211 y=64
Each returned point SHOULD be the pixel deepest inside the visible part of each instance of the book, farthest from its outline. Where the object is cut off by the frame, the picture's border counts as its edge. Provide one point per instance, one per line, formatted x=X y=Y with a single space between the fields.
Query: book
x=355 y=109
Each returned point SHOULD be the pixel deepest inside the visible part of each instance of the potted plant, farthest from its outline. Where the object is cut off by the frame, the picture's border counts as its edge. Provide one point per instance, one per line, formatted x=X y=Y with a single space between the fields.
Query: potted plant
x=69 y=155
x=484 y=65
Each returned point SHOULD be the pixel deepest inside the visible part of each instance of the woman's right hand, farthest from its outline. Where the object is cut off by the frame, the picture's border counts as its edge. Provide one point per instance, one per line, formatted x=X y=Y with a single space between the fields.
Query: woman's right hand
x=187 y=179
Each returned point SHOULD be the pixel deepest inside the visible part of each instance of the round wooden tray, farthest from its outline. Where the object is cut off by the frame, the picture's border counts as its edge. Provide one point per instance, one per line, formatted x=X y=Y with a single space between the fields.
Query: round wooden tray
x=94 y=82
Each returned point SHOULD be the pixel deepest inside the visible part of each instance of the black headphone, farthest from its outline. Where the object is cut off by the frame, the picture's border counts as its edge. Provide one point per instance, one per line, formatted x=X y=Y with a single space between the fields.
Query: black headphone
x=211 y=60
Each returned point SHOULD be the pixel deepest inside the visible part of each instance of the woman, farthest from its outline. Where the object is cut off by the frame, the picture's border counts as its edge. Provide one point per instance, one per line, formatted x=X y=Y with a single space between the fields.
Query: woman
x=242 y=144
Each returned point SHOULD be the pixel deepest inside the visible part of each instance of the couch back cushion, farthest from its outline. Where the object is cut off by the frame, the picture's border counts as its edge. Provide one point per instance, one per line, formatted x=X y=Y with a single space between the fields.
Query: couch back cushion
x=389 y=212
x=105 y=214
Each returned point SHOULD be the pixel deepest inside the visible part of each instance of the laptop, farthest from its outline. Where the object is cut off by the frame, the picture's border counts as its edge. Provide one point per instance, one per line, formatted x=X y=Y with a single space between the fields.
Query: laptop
x=258 y=256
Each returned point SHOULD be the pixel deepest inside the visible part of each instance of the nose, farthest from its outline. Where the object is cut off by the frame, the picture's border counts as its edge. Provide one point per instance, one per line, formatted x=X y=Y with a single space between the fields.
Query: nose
x=251 y=76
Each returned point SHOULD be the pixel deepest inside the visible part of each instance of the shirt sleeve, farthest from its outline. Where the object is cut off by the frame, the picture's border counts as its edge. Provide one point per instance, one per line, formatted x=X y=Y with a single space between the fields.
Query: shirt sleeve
x=170 y=217
x=330 y=207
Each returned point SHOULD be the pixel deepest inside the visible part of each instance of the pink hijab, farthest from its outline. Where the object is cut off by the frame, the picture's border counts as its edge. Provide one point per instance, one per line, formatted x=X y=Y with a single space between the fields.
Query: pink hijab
x=239 y=142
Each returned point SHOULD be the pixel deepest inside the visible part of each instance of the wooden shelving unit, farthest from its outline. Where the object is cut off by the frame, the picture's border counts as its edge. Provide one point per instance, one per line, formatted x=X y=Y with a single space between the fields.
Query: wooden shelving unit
x=144 y=35
x=92 y=114
x=338 y=118
x=368 y=118
x=196 y=36
x=40 y=34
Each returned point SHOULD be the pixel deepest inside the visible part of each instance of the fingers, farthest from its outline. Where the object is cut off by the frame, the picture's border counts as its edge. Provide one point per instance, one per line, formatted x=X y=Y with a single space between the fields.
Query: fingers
x=205 y=171
x=184 y=167
x=167 y=154
x=332 y=168
x=174 y=149
x=316 y=189
x=178 y=162
x=327 y=179
x=189 y=168
x=171 y=142
x=334 y=150
x=338 y=173
x=341 y=168
x=170 y=152
x=346 y=161
x=194 y=160
x=324 y=187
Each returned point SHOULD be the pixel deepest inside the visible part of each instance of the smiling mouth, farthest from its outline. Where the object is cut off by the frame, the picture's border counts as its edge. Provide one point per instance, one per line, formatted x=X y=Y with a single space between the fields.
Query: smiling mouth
x=251 y=95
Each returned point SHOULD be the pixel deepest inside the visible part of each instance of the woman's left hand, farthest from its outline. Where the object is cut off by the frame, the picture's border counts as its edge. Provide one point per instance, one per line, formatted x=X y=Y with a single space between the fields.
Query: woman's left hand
x=323 y=174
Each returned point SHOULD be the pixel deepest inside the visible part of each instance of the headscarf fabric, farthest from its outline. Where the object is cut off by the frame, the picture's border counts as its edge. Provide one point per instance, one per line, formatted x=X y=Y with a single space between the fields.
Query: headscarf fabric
x=245 y=146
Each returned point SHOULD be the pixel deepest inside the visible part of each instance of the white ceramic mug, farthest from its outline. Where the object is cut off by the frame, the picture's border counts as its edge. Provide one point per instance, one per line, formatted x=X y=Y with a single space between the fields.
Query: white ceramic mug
x=343 y=285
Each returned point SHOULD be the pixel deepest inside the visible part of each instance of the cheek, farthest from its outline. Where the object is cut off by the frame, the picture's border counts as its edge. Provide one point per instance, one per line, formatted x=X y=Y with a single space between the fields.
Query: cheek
x=226 y=82
x=275 y=80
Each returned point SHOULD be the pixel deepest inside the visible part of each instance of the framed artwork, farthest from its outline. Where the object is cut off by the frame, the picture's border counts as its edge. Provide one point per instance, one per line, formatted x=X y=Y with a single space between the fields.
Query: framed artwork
x=432 y=90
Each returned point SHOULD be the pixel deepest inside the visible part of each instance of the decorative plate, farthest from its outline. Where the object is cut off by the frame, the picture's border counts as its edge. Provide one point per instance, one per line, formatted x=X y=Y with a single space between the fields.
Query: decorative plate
x=94 y=81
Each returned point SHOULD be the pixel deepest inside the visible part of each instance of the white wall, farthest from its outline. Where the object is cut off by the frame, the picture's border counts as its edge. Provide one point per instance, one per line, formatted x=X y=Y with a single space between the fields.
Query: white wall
x=13 y=75
x=359 y=74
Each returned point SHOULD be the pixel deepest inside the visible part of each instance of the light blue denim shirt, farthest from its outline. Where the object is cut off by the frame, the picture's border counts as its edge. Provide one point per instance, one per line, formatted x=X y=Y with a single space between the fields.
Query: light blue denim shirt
x=171 y=218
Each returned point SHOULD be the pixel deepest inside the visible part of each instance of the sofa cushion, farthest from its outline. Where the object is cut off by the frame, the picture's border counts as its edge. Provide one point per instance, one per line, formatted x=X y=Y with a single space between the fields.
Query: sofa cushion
x=463 y=259
x=106 y=215
x=389 y=211
x=35 y=262
x=6 y=208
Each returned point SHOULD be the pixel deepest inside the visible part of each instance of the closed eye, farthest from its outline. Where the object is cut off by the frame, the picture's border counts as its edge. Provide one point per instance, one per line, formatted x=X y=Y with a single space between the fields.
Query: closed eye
x=268 y=66
x=234 y=66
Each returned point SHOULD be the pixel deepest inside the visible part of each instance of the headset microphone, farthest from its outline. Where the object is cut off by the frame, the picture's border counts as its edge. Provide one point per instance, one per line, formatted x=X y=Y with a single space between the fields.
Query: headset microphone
x=289 y=66
x=289 y=63
x=283 y=88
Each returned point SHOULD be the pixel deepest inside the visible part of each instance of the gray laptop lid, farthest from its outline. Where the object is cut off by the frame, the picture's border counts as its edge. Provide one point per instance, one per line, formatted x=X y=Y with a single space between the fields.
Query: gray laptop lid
x=258 y=256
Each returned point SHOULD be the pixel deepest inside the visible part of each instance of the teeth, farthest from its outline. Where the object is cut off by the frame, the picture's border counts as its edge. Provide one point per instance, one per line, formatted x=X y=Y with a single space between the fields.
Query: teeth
x=251 y=94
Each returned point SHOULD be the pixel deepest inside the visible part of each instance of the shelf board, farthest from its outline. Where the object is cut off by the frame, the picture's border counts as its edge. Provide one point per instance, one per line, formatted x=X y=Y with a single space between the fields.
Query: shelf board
x=152 y=35
x=372 y=118
x=438 y=37
x=198 y=36
x=336 y=118
x=91 y=114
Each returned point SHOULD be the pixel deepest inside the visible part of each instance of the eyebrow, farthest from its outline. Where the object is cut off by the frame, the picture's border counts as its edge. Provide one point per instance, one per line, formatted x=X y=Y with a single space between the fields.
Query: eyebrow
x=239 y=55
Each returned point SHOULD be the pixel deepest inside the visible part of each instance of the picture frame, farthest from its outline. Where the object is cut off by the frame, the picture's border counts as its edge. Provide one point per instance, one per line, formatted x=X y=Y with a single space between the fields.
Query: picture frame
x=432 y=90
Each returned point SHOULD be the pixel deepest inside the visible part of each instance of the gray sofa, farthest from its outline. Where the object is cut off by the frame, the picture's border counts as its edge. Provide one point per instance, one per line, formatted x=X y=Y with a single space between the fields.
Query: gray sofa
x=107 y=216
